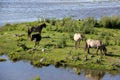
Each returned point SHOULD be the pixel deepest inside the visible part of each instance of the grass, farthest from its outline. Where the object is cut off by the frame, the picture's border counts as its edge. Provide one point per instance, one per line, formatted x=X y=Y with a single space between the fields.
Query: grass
x=59 y=47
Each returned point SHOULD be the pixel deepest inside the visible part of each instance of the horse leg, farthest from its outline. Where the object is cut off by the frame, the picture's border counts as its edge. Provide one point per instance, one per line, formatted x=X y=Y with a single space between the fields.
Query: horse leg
x=97 y=51
x=101 y=51
x=87 y=48
x=35 y=43
x=88 y=51
x=76 y=44
x=104 y=52
x=38 y=43
x=29 y=33
x=29 y=36
x=79 y=44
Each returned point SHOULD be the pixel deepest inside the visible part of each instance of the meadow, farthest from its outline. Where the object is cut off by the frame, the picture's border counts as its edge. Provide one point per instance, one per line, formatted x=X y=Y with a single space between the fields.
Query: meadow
x=58 y=44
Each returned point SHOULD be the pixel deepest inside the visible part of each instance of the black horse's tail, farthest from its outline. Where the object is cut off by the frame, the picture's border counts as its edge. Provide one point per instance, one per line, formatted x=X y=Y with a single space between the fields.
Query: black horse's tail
x=104 y=49
x=86 y=46
x=29 y=32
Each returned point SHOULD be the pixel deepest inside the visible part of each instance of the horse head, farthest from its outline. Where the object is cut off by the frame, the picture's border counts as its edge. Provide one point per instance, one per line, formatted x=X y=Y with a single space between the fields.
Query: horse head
x=82 y=36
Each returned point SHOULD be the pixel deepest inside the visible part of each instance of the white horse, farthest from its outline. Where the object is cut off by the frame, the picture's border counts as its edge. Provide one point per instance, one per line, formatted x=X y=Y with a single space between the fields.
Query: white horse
x=77 y=38
x=91 y=43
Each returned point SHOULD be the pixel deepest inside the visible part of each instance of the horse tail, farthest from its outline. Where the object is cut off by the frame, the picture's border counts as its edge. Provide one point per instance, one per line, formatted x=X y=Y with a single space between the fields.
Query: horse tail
x=104 y=49
x=86 y=46
x=29 y=32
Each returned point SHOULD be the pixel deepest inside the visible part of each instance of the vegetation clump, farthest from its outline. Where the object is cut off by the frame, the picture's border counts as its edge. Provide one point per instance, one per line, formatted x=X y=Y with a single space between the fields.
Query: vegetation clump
x=2 y=59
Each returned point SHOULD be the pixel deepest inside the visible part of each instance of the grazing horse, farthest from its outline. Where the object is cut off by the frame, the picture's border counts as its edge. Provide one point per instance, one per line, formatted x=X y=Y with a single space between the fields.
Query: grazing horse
x=37 y=38
x=36 y=29
x=90 y=43
x=77 y=38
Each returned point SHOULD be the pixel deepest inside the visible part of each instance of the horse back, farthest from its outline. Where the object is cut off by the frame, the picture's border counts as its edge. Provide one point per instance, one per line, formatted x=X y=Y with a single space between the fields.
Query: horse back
x=36 y=36
x=94 y=43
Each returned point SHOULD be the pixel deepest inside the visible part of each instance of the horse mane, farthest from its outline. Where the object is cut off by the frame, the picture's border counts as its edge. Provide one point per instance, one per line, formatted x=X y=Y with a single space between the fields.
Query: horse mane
x=42 y=25
x=37 y=28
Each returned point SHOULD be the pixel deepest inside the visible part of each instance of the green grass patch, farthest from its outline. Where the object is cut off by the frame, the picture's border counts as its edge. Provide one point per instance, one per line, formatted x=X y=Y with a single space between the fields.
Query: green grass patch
x=57 y=42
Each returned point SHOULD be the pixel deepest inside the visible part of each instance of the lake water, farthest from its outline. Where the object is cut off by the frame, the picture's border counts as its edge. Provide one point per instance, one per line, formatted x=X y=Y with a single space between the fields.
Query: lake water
x=24 y=71
x=12 y=11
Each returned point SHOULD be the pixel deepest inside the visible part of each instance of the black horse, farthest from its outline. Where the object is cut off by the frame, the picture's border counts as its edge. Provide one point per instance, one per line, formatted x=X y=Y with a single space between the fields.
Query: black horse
x=37 y=38
x=36 y=29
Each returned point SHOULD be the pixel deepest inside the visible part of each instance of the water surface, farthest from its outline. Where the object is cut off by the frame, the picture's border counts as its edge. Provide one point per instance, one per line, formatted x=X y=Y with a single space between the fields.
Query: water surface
x=22 y=70
x=29 y=10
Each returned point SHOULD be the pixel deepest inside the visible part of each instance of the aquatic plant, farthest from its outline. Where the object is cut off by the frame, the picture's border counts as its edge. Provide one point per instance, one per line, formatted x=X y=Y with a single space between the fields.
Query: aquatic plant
x=37 y=78
x=2 y=59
